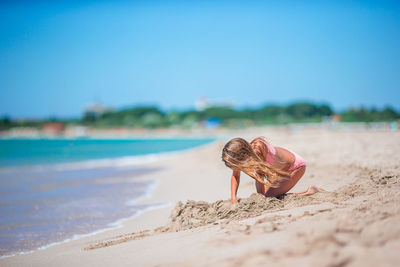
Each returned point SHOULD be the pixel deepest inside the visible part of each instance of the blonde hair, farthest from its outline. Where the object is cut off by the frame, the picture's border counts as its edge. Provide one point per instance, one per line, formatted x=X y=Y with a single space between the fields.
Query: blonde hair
x=240 y=155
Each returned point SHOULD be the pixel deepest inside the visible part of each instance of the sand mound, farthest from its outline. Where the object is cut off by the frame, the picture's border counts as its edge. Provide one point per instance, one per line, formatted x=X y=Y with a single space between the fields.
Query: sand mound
x=197 y=213
x=194 y=214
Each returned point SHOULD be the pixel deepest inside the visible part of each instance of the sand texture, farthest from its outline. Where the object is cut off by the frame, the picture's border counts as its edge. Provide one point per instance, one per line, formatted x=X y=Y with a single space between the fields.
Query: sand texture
x=355 y=222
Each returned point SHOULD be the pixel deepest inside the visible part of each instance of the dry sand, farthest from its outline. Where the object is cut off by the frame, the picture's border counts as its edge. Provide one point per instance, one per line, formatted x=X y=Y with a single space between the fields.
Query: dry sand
x=356 y=222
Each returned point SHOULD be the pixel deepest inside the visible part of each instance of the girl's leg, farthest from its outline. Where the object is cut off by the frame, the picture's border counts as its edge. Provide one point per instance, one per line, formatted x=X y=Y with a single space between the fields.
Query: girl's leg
x=287 y=184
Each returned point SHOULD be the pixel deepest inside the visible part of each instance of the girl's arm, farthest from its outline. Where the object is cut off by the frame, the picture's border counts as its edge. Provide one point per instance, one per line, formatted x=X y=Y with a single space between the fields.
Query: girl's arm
x=234 y=185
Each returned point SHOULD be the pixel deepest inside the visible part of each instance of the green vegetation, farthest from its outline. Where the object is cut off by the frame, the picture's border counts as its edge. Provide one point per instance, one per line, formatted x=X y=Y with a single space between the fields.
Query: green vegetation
x=6 y=123
x=373 y=115
x=153 y=117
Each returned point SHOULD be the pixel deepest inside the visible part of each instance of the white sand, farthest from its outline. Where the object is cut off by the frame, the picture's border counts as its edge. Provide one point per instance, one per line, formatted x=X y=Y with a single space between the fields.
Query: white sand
x=356 y=225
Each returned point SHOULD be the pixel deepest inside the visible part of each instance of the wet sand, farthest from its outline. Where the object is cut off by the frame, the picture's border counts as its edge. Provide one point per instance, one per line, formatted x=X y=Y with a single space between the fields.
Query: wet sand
x=356 y=222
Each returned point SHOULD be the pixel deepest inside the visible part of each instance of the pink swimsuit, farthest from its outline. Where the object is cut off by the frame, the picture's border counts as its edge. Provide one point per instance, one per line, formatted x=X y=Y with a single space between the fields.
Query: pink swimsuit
x=298 y=162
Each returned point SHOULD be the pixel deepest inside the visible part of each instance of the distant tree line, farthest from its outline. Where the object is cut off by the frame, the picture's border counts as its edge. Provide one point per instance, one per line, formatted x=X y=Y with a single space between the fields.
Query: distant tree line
x=153 y=117
x=370 y=115
x=7 y=123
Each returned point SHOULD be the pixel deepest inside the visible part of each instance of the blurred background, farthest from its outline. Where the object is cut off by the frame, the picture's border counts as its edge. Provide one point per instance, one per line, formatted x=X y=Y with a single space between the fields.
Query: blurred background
x=94 y=94
x=70 y=66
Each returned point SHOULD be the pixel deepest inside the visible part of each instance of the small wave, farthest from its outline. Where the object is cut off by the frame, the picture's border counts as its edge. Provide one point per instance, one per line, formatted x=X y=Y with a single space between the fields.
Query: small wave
x=111 y=226
x=149 y=192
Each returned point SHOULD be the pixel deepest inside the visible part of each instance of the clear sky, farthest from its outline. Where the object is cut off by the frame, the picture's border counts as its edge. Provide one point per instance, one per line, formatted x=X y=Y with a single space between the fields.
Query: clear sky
x=58 y=56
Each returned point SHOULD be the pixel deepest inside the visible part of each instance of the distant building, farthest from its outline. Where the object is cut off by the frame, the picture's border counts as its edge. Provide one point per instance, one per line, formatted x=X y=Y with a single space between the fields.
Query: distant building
x=332 y=119
x=53 y=128
x=202 y=103
x=336 y=118
x=77 y=131
x=96 y=110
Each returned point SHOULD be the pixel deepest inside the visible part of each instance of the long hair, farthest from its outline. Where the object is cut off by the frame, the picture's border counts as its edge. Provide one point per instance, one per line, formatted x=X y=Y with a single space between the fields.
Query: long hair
x=240 y=155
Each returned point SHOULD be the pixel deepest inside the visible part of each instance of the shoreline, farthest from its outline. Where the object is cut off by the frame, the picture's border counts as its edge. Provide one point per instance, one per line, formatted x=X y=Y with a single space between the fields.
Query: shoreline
x=111 y=226
x=140 y=160
x=201 y=176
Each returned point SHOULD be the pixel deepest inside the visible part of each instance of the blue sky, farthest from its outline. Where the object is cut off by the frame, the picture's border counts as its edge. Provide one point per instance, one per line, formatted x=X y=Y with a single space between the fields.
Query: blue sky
x=58 y=56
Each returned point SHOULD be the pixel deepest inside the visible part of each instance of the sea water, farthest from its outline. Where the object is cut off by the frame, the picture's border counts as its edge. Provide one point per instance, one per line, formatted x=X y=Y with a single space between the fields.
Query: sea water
x=53 y=190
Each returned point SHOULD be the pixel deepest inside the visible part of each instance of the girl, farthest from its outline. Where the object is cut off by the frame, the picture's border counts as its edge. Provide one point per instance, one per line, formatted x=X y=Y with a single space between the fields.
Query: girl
x=275 y=169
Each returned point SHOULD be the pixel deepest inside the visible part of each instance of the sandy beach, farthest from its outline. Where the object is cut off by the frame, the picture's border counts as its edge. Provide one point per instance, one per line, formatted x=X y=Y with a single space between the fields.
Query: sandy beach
x=356 y=222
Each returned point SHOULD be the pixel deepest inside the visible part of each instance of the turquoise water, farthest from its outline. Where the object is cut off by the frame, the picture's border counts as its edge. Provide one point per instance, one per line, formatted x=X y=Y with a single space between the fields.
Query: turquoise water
x=23 y=152
x=54 y=190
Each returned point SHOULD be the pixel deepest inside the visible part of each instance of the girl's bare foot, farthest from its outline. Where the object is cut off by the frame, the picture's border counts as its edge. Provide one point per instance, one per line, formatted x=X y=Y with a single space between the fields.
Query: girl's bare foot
x=312 y=189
